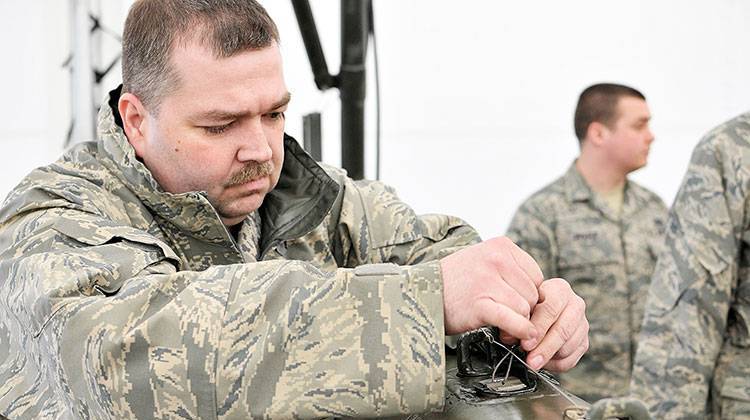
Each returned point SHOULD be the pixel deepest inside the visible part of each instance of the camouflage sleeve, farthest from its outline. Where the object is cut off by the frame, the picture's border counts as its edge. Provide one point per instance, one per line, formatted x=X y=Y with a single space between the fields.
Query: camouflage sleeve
x=693 y=283
x=105 y=326
x=532 y=232
x=375 y=226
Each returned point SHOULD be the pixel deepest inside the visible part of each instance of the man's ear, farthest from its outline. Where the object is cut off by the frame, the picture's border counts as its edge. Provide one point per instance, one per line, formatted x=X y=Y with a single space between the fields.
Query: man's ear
x=597 y=133
x=134 y=121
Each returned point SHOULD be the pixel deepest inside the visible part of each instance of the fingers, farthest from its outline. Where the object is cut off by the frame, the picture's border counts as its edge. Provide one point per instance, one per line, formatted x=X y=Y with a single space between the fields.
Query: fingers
x=466 y=282
x=553 y=298
x=528 y=265
x=563 y=335
x=499 y=315
x=507 y=339
x=516 y=268
x=570 y=353
x=579 y=338
x=490 y=283
x=502 y=292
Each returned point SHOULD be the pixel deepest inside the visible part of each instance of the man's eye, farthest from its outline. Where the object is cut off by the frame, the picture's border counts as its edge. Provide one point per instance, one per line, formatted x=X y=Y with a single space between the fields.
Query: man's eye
x=275 y=115
x=216 y=129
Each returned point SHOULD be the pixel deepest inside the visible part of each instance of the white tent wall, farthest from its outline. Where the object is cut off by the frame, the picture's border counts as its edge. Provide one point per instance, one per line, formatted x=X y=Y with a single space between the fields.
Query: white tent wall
x=35 y=112
x=477 y=97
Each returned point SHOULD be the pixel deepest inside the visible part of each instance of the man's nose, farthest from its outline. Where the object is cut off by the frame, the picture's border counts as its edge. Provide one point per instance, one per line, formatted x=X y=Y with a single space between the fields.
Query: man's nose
x=650 y=136
x=254 y=144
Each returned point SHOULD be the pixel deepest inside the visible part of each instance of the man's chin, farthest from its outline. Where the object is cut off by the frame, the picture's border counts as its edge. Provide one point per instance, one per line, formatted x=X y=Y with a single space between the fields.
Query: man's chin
x=239 y=209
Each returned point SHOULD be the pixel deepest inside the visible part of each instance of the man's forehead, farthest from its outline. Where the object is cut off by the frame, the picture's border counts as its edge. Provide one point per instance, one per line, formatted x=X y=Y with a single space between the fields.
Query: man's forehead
x=195 y=53
x=632 y=107
x=191 y=45
x=247 y=82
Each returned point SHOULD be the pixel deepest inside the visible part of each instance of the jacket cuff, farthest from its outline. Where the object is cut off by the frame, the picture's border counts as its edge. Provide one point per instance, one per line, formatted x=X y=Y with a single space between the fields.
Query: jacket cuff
x=425 y=283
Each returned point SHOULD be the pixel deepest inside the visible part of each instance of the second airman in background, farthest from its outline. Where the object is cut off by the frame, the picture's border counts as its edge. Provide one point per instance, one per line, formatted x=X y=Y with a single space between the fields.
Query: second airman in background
x=600 y=231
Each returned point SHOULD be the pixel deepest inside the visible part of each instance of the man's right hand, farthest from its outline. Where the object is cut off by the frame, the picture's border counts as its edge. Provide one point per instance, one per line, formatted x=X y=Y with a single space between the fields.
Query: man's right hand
x=491 y=283
x=496 y=283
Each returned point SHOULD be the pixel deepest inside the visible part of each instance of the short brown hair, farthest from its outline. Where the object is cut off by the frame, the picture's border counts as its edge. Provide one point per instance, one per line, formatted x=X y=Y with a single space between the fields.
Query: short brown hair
x=153 y=28
x=599 y=103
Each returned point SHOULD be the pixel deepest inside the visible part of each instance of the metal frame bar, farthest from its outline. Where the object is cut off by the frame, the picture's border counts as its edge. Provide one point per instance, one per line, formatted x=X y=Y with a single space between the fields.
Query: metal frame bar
x=352 y=78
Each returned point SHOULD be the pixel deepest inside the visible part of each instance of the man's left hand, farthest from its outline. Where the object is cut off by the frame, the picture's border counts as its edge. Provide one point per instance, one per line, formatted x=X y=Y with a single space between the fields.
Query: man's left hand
x=560 y=319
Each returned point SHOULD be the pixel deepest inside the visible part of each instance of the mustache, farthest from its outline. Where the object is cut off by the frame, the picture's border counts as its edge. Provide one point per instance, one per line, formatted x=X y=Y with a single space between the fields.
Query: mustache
x=252 y=170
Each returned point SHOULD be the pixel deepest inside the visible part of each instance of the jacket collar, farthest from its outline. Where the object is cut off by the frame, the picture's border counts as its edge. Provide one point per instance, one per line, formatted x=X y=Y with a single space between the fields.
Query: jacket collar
x=576 y=187
x=299 y=203
x=301 y=199
x=578 y=190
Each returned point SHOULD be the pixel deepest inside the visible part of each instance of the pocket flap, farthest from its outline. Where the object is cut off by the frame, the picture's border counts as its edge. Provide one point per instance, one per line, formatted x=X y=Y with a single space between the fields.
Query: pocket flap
x=111 y=253
x=101 y=231
x=736 y=388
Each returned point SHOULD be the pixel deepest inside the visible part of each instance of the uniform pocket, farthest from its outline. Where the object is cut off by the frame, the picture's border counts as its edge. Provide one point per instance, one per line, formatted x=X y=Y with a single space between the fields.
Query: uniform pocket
x=735 y=398
x=587 y=242
x=587 y=256
x=108 y=254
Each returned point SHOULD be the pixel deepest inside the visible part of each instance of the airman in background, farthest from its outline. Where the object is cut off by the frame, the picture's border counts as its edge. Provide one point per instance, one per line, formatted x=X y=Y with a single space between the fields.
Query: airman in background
x=693 y=359
x=600 y=231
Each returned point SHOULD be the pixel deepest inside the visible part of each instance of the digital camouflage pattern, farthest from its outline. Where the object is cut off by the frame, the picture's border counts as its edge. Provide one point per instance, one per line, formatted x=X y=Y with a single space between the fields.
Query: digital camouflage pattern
x=119 y=300
x=694 y=357
x=617 y=408
x=608 y=260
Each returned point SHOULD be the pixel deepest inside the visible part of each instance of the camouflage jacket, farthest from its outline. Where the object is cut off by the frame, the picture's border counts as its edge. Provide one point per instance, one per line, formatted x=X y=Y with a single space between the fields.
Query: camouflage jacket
x=607 y=259
x=694 y=356
x=119 y=300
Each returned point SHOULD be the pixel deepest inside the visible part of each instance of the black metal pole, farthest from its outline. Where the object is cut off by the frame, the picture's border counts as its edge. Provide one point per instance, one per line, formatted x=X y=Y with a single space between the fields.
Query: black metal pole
x=352 y=80
x=309 y=32
x=311 y=134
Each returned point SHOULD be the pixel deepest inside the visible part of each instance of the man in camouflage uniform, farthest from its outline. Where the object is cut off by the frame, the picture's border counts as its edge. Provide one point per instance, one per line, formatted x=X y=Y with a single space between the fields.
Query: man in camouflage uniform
x=601 y=232
x=694 y=355
x=194 y=262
